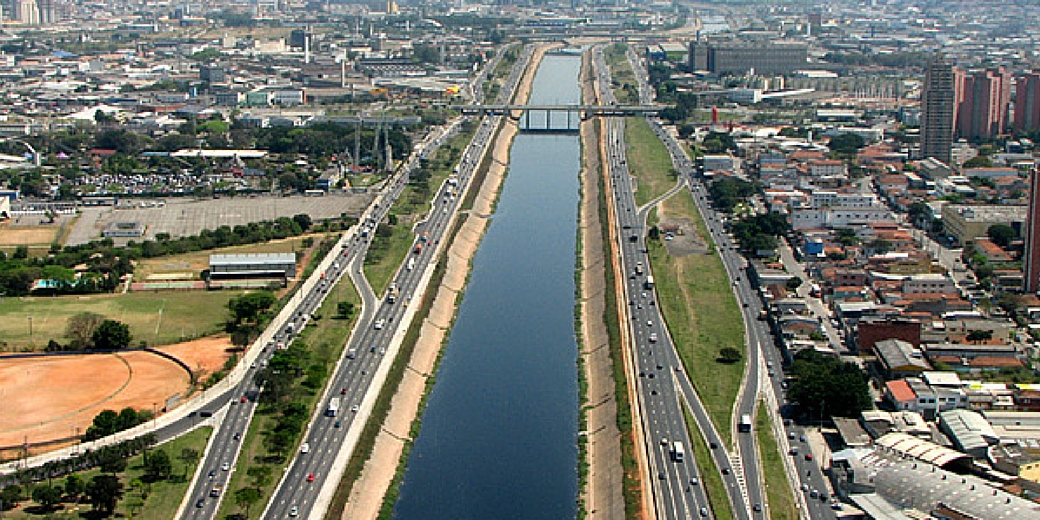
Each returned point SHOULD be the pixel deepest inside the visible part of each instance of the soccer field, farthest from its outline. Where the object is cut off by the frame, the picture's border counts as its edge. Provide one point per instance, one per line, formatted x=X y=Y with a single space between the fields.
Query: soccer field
x=157 y=318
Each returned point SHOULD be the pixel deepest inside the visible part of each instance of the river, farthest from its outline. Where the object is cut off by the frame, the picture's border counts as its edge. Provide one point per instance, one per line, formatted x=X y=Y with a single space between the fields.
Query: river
x=499 y=433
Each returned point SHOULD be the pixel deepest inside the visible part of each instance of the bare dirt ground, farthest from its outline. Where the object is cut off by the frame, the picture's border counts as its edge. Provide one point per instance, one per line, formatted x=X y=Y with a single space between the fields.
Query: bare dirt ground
x=687 y=241
x=366 y=497
x=57 y=397
x=604 y=497
x=28 y=236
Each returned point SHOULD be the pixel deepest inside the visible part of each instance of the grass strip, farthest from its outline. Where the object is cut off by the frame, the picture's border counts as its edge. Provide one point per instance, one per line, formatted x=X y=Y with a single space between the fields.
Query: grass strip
x=779 y=493
x=710 y=478
x=633 y=490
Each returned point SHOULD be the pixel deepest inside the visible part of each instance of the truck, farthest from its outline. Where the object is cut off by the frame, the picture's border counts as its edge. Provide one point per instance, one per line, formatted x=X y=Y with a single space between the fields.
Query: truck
x=649 y=282
x=411 y=263
x=333 y=407
x=678 y=451
x=391 y=293
x=745 y=423
x=215 y=492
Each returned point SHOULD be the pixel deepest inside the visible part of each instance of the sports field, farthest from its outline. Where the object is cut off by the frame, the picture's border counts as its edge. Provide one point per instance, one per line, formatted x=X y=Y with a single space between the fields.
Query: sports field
x=157 y=318
x=57 y=397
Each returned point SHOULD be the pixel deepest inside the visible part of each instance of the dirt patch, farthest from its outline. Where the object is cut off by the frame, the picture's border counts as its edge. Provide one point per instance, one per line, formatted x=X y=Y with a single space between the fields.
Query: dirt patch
x=51 y=398
x=28 y=236
x=204 y=355
x=684 y=239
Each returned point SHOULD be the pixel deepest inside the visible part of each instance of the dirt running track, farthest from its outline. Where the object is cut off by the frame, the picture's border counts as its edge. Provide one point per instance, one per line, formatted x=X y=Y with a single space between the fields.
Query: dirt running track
x=45 y=399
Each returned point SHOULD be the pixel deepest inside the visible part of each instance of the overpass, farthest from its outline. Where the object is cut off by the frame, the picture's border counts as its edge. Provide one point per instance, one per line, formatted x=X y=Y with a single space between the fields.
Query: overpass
x=522 y=113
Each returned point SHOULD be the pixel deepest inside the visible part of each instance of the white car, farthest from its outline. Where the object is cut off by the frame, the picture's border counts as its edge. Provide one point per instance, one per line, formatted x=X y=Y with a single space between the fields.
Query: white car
x=379 y=324
x=306 y=448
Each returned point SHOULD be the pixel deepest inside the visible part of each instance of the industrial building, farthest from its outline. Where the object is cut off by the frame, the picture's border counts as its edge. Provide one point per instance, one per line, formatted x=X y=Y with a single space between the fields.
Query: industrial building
x=253 y=265
x=742 y=57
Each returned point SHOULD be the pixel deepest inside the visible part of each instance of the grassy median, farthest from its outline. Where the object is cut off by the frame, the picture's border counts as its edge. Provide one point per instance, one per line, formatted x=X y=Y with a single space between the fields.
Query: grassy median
x=325 y=337
x=779 y=492
x=714 y=487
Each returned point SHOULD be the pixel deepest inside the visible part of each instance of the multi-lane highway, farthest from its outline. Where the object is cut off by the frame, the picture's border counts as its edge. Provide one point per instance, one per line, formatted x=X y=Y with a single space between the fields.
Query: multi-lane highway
x=676 y=484
x=307 y=486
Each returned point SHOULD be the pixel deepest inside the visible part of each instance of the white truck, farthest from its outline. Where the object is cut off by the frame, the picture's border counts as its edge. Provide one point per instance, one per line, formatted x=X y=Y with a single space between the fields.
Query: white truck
x=333 y=408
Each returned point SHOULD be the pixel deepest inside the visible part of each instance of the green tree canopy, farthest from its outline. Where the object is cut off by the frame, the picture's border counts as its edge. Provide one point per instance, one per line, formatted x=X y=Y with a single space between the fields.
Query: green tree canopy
x=157 y=465
x=111 y=335
x=104 y=492
x=825 y=385
x=47 y=496
x=1001 y=234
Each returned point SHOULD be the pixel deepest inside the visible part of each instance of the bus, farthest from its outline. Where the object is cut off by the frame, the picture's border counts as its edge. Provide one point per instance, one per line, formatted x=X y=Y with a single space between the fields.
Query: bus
x=678 y=452
x=333 y=408
x=745 y=423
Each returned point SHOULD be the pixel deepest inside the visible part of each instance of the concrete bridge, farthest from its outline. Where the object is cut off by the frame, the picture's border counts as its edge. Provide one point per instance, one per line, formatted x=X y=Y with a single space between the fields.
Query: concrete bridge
x=522 y=114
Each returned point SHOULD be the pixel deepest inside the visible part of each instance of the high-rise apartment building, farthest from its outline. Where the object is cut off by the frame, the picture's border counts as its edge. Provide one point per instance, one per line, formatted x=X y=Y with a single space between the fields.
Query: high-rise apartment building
x=938 y=110
x=983 y=100
x=1031 y=280
x=1027 y=102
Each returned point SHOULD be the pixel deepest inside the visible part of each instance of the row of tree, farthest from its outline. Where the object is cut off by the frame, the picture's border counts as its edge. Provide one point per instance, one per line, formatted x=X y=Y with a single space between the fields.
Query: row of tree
x=101 y=265
x=91 y=331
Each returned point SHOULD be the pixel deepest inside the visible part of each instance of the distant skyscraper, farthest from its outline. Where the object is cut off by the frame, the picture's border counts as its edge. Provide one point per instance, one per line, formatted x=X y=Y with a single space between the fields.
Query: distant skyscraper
x=1031 y=280
x=983 y=103
x=1027 y=102
x=28 y=12
x=938 y=104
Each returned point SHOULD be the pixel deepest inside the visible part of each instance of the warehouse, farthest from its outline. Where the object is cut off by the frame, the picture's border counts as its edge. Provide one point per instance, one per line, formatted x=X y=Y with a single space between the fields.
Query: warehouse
x=253 y=265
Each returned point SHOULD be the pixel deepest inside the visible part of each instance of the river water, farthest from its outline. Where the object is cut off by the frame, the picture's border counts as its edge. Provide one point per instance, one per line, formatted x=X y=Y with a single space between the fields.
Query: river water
x=499 y=434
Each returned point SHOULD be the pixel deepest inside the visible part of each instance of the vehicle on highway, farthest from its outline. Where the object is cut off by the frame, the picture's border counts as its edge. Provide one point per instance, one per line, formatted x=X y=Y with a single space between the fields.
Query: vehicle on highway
x=226 y=466
x=310 y=477
x=237 y=436
x=200 y=502
x=653 y=337
x=379 y=323
x=337 y=425
x=808 y=457
x=694 y=481
x=678 y=451
x=354 y=408
x=215 y=491
x=212 y=473
x=305 y=448
x=745 y=423
x=333 y=407
x=294 y=511
x=704 y=511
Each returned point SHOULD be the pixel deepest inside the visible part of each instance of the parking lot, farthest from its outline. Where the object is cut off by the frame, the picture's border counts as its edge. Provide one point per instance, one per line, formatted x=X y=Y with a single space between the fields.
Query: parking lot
x=184 y=217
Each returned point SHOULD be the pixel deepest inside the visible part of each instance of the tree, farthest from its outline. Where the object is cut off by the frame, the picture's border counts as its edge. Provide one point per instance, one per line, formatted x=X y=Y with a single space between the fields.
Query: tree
x=793 y=283
x=249 y=307
x=979 y=336
x=73 y=485
x=104 y=492
x=188 y=456
x=979 y=161
x=113 y=465
x=261 y=475
x=1001 y=234
x=47 y=496
x=157 y=465
x=345 y=309
x=246 y=497
x=11 y=495
x=846 y=144
x=824 y=385
x=111 y=335
x=729 y=355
